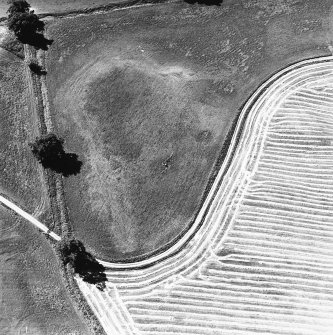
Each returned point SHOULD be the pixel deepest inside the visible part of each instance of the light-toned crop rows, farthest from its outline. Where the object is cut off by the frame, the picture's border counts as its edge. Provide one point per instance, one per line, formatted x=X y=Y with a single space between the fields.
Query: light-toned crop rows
x=262 y=261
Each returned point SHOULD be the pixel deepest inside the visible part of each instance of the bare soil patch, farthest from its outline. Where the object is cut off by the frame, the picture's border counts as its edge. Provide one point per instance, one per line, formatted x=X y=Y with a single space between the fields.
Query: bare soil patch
x=146 y=96
x=33 y=296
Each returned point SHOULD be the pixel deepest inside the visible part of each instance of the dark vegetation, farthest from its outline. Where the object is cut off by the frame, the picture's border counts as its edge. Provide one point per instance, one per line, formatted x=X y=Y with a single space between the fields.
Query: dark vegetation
x=205 y=2
x=26 y=25
x=48 y=150
x=36 y=68
x=17 y=6
x=73 y=252
x=22 y=21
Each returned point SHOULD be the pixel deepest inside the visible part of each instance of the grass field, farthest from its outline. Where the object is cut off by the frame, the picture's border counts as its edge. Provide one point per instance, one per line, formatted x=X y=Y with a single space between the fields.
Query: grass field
x=146 y=96
x=33 y=297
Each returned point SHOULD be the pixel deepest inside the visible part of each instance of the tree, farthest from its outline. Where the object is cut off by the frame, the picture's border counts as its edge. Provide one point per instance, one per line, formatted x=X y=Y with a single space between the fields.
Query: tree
x=73 y=252
x=25 y=25
x=18 y=6
x=49 y=151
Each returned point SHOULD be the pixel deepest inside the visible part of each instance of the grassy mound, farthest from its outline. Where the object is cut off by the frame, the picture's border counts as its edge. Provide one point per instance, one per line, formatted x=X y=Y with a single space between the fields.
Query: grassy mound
x=146 y=97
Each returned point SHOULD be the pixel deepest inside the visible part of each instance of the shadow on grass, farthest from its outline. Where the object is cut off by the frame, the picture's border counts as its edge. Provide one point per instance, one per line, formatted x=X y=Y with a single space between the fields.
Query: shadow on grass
x=90 y=270
x=37 y=69
x=205 y=2
x=67 y=164
x=37 y=40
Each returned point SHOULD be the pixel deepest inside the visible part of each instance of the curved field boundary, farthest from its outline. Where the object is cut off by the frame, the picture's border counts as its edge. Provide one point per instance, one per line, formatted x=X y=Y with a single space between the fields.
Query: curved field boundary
x=262 y=261
x=216 y=224
x=232 y=151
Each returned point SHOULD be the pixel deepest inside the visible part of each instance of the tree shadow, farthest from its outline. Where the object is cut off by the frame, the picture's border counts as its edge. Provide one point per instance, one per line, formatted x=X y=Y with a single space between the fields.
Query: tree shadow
x=72 y=251
x=67 y=164
x=37 y=40
x=205 y=2
x=37 y=69
x=90 y=270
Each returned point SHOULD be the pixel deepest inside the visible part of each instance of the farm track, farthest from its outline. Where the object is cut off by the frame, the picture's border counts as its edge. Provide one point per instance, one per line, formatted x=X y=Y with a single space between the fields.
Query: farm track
x=261 y=262
x=112 y=5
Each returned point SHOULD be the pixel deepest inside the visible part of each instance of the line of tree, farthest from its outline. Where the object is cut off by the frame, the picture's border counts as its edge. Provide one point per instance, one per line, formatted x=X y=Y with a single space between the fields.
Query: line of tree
x=49 y=150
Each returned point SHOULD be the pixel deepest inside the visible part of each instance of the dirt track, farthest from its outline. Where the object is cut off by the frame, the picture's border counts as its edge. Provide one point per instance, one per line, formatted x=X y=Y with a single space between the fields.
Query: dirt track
x=29 y=217
x=60 y=6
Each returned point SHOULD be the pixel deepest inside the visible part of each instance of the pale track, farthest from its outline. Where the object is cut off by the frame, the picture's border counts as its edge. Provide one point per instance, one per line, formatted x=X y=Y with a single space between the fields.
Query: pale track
x=262 y=260
x=30 y=218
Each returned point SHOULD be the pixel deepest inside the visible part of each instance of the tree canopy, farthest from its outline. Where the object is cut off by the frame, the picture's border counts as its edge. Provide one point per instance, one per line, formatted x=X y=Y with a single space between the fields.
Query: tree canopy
x=49 y=151
x=48 y=148
x=18 y=6
x=25 y=24
x=72 y=251
x=36 y=68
